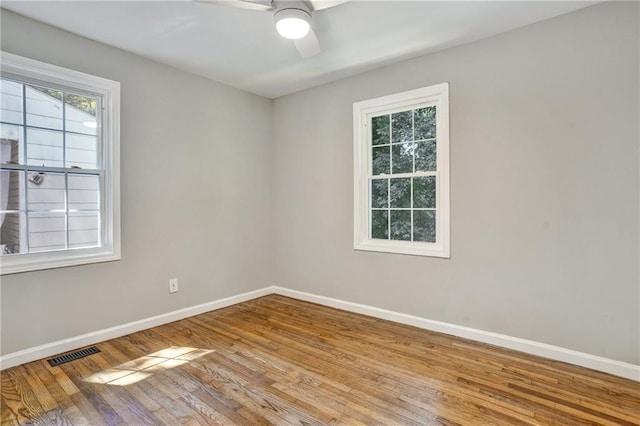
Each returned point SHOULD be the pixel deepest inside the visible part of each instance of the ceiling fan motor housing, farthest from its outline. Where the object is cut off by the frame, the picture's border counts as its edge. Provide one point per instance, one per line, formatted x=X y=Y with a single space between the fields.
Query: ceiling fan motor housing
x=292 y=18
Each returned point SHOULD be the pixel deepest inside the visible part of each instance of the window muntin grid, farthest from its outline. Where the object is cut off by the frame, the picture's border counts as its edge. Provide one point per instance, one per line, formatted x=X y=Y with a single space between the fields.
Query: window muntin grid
x=42 y=124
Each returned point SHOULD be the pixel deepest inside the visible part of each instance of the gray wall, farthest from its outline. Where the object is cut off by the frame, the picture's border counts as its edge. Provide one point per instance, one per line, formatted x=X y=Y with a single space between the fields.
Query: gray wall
x=544 y=190
x=196 y=197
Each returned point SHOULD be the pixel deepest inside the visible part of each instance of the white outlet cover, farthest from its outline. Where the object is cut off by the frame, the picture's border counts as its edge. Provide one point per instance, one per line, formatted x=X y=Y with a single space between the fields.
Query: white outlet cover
x=173 y=285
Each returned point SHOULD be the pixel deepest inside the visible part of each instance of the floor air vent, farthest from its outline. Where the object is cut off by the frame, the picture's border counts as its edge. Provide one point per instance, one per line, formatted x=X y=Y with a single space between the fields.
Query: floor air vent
x=72 y=356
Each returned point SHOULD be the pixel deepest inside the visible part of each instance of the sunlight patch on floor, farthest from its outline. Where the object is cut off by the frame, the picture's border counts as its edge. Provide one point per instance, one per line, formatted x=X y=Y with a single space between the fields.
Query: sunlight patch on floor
x=141 y=368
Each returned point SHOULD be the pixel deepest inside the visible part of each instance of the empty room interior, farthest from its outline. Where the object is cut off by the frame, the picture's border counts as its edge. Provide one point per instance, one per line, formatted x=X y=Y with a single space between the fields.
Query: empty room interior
x=320 y=212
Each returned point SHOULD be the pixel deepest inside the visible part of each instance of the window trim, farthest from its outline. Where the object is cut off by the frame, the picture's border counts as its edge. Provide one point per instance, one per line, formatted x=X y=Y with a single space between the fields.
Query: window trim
x=109 y=90
x=437 y=95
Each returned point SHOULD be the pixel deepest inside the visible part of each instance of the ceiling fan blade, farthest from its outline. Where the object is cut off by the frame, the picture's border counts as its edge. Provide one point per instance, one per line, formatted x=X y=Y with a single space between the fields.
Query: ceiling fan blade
x=259 y=5
x=325 y=4
x=308 y=46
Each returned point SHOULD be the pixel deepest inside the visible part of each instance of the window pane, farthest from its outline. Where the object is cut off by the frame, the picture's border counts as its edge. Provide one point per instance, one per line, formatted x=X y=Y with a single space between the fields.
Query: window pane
x=83 y=192
x=400 y=193
x=84 y=229
x=10 y=102
x=379 y=193
x=401 y=127
x=424 y=192
x=424 y=226
x=80 y=114
x=10 y=232
x=44 y=147
x=81 y=151
x=425 y=123
x=45 y=191
x=426 y=160
x=46 y=231
x=380 y=224
x=10 y=132
x=380 y=130
x=10 y=144
x=44 y=107
x=381 y=160
x=400 y=225
x=403 y=158
x=10 y=196
x=11 y=199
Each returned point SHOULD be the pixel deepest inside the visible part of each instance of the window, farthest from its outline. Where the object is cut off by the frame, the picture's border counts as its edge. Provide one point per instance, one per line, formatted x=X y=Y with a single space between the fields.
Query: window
x=401 y=173
x=59 y=158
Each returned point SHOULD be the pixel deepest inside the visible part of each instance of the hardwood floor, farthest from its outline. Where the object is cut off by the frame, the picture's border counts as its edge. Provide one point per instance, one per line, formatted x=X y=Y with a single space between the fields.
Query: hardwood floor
x=276 y=360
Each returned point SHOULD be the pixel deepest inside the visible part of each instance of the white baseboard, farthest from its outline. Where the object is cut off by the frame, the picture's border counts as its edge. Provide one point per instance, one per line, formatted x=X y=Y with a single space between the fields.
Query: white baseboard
x=557 y=353
x=617 y=368
x=54 y=348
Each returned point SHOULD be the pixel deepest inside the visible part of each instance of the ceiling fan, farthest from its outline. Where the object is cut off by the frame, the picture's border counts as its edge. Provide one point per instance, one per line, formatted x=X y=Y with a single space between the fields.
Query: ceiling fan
x=292 y=18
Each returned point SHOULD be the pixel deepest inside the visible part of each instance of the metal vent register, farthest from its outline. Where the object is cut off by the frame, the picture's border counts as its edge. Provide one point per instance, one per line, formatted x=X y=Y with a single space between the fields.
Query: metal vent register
x=72 y=356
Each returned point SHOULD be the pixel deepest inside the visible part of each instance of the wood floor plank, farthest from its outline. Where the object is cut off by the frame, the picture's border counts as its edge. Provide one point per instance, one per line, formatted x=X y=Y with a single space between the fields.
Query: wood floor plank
x=276 y=360
x=14 y=411
x=166 y=418
x=7 y=416
x=61 y=379
x=28 y=407
x=48 y=390
x=88 y=410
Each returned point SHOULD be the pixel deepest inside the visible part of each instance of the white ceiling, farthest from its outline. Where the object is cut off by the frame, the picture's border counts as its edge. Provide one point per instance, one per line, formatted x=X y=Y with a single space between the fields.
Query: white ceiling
x=241 y=47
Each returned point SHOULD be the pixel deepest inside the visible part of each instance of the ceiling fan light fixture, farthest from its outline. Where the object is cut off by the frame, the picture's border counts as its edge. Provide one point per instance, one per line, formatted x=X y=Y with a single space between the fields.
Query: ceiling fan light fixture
x=293 y=23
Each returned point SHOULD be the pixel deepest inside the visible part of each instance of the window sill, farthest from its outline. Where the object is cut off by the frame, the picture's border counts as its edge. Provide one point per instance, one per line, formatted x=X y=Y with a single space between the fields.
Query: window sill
x=403 y=247
x=13 y=264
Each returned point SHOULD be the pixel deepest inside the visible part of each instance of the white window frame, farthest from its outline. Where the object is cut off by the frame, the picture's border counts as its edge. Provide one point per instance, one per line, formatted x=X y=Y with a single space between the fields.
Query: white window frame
x=436 y=95
x=109 y=128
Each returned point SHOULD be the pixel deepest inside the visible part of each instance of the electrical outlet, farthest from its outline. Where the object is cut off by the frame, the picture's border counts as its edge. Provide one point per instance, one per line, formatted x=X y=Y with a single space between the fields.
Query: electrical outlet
x=173 y=285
